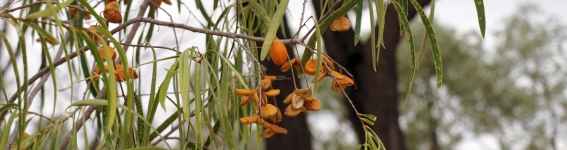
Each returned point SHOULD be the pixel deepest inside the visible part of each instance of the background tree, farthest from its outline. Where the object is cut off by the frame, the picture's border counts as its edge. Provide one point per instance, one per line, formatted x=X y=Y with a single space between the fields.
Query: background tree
x=503 y=93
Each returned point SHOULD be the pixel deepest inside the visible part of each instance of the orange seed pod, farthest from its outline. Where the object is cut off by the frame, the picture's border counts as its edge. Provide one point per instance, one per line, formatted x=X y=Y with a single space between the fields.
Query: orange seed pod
x=112 y=12
x=269 y=110
x=340 y=24
x=87 y=16
x=110 y=50
x=278 y=52
x=249 y=120
x=167 y=2
x=310 y=67
x=73 y=10
x=267 y=133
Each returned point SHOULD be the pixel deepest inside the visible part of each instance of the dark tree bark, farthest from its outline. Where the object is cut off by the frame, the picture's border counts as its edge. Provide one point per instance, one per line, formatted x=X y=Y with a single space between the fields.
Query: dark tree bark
x=298 y=136
x=376 y=92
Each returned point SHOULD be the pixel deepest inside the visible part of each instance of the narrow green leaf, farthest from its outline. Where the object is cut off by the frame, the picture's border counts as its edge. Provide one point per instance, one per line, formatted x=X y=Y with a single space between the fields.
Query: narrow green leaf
x=165 y=84
x=90 y=102
x=273 y=28
x=409 y=35
x=185 y=76
x=152 y=105
x=359 y=7
x=319 y=55
x=7 y=106
x=260 y=12
x=226 y=124
x=372 y=37
x=237 y=74
x=42 y=33
x=433 y=41
x=6 y=130
x=49 y=11
x=480 y=14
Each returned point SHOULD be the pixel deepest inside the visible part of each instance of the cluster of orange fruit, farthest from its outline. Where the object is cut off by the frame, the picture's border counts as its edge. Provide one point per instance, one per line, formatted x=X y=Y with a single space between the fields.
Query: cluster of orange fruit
x=278 y=54
x=298 y=101
x=259 y=97
x=111 y=12
x=119 y=73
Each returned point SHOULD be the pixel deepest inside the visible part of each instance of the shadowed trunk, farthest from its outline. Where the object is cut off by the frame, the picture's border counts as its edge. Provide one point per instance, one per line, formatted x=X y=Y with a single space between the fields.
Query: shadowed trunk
x=376 y=92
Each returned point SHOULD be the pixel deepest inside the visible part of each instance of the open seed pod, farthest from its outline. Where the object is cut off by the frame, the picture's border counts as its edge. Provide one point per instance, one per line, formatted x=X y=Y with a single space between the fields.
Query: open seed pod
x=290 y=112
x=304 y=92
x=110 y=50
x=278 y=52
x=319 y=78
x=112 y=12
x=287 y=65
x=244 y=100
x=267 y=133
x=310 y=67
x=244 y=92
x=312 y=105
x=336 y=87
x=272 y=93
x=167 y=2
x=278 y=117
x=297 y=102
x=249 y=120
x=269 y=110
x=288 y=99
x=340 y=24
x=329 y=63
x=275 y=128
x=346 y=81
x=337 y=75
x=266 y=83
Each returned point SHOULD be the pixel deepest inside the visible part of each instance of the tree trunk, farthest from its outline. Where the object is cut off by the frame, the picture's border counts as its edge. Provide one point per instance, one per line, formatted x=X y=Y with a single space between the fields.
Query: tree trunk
x=375 y=92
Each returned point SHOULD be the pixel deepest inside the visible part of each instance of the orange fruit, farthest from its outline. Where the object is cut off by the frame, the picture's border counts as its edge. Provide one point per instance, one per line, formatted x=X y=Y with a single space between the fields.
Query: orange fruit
x=310 y=67
x=278 y=52
x=340 y=24
x=73 y=11
x=112 y=12
x=110 y=49
x=249 y=120
x=132 y=73
x=87 y=16
x=167 y=2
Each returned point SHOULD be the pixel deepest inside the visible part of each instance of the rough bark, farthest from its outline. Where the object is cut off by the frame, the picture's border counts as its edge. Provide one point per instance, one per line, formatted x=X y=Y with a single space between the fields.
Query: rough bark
x=375 y=92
